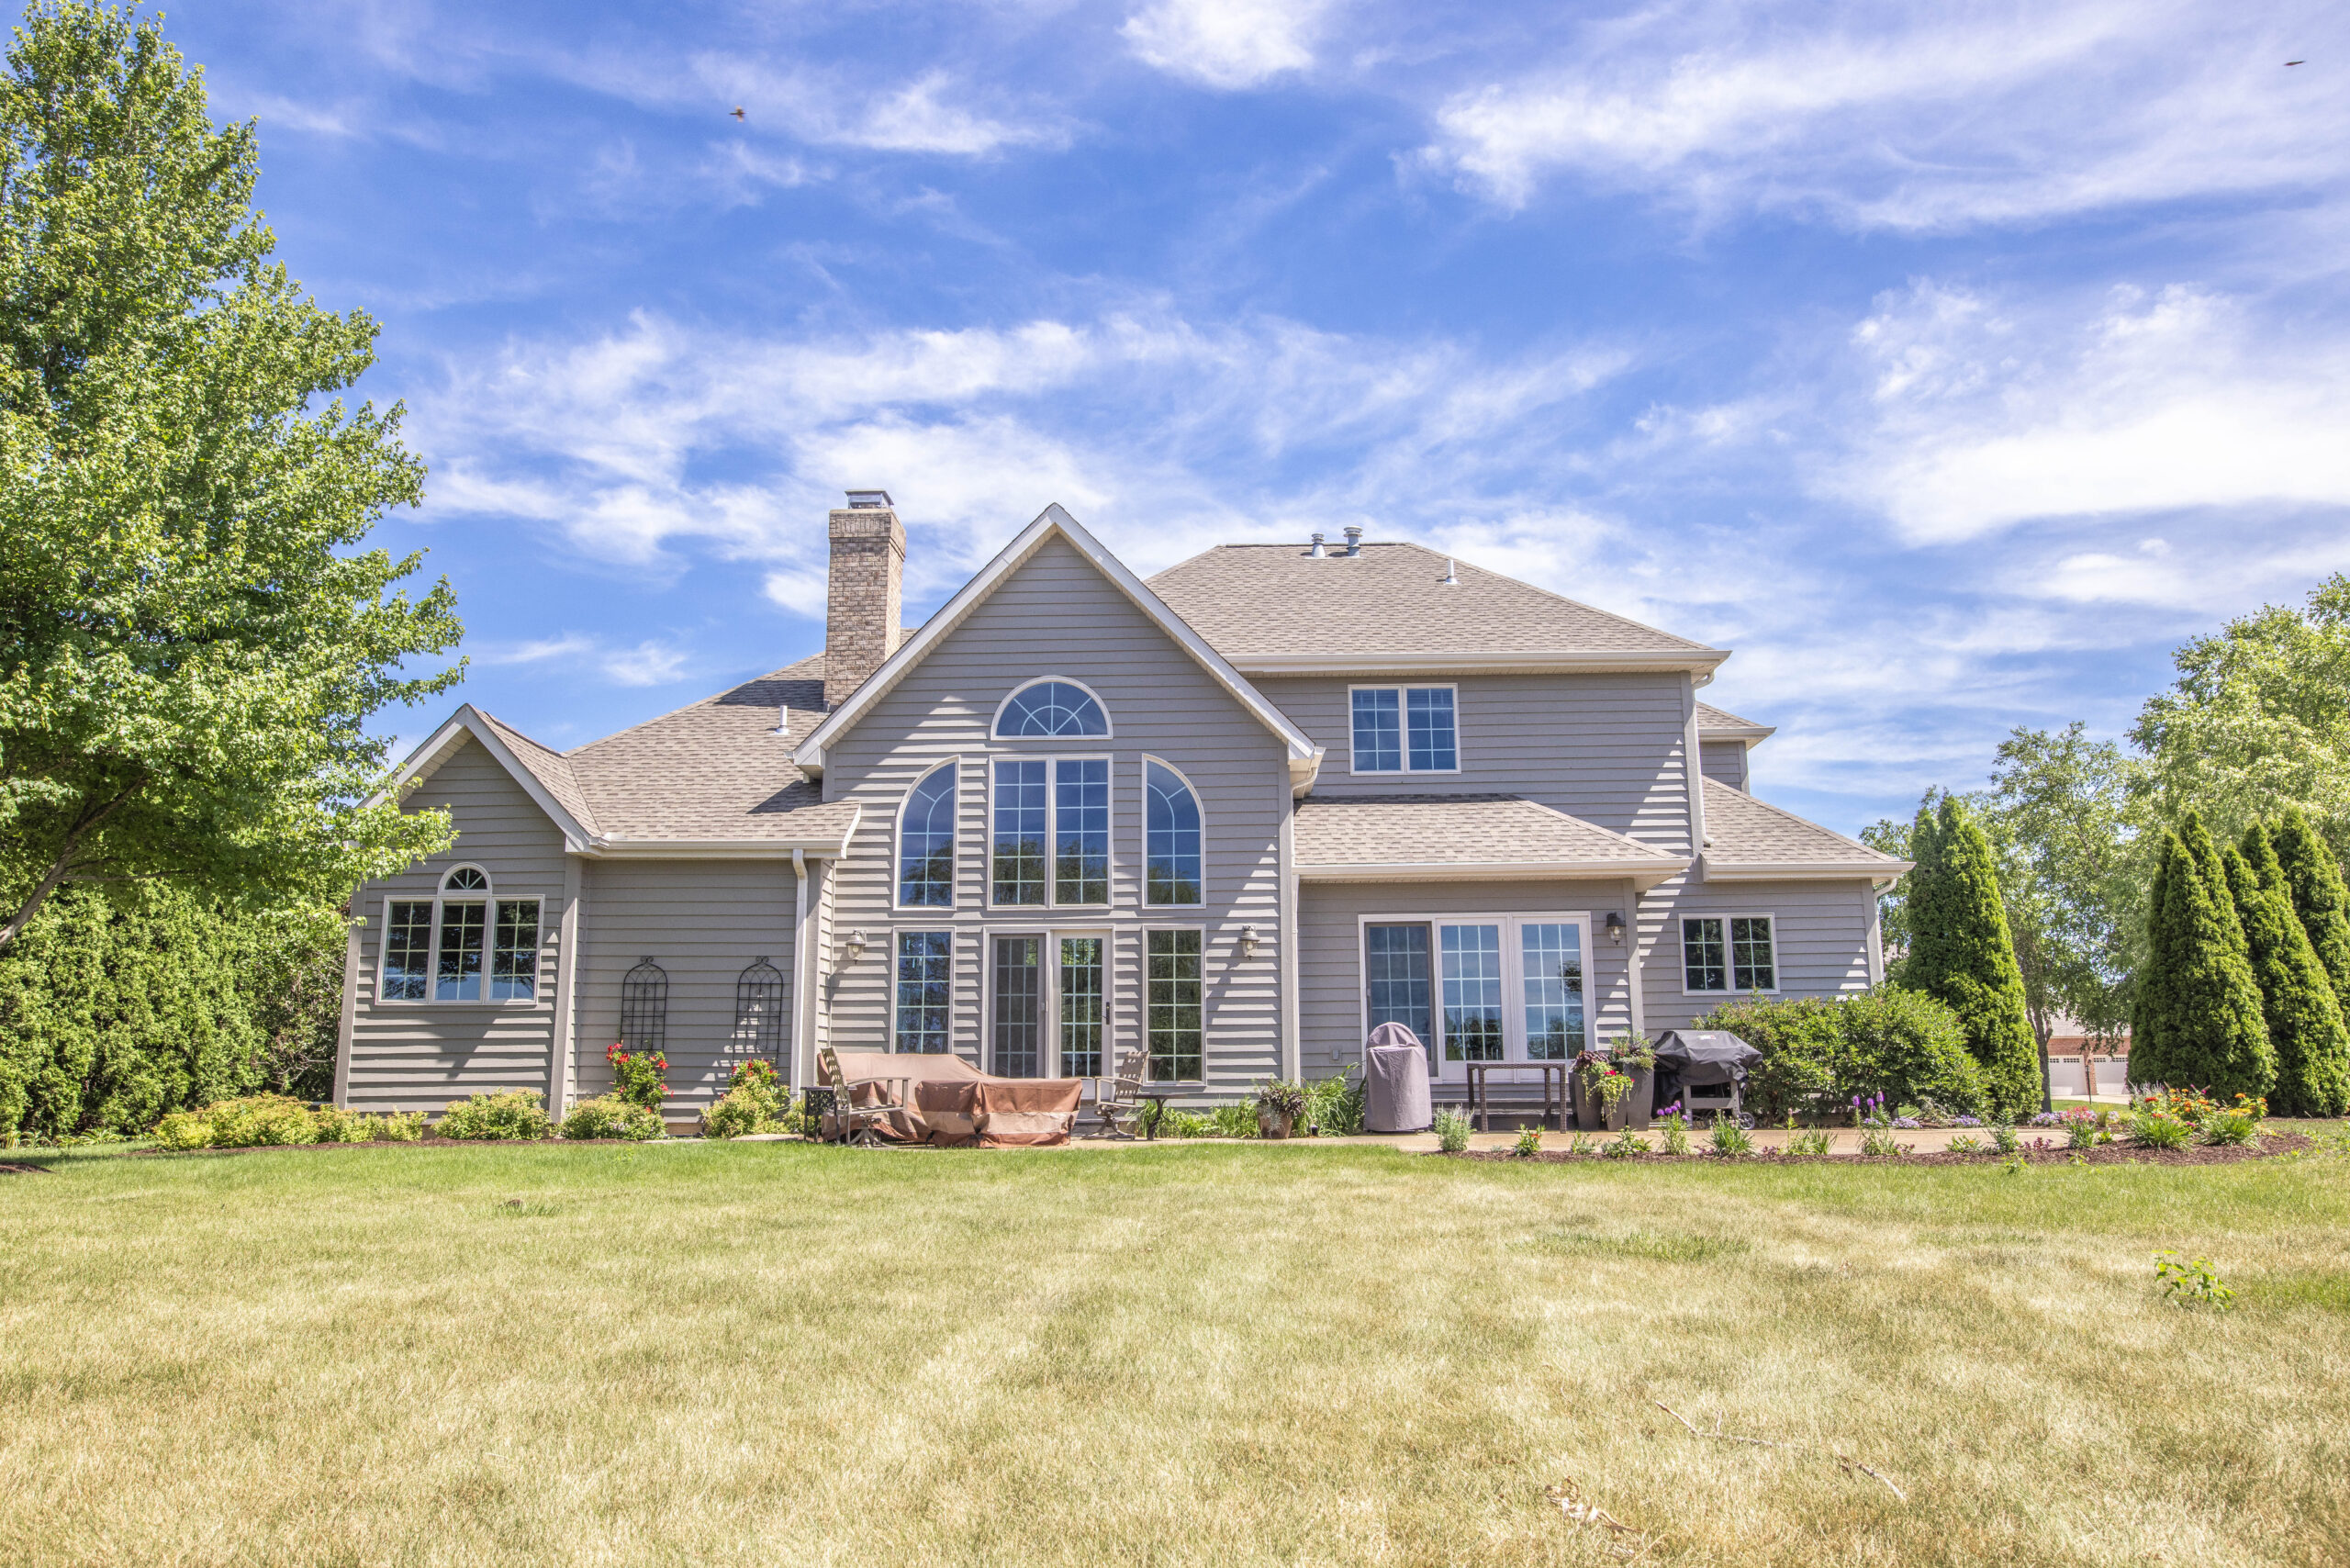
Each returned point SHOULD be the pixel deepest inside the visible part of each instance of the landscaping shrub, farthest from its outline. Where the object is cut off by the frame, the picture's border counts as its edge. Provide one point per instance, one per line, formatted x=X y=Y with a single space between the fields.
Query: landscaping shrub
x=184 y=1130
x=1452 y=1129
x=640 y=1078
x=1234 y=1121
x=612 y=1116
x=739 y=1111
x=1187 y=1124
x=397 y=1126
x=260 y=1121
x=503 y=1113
x=1799 y=1042
x=2153 y=1126
x=1960 y=955
x=1333 y=1107
x=2305 y=1025
x=1900 y=1044
x=2198 y=1022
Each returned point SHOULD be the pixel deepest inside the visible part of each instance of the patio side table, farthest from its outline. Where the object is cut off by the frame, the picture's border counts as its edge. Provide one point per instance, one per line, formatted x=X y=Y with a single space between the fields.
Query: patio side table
x=1554 y=1110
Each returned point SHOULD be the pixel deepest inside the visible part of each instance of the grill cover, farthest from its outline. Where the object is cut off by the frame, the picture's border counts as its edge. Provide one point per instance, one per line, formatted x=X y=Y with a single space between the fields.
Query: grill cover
x=1705 y=1055
x=1395 y=1082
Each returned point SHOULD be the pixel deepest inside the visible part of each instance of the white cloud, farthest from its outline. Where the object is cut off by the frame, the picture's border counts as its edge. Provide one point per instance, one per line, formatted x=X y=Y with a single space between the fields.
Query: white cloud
x=1227 y=44
x=1887 y=114
x=2181 y=400
x=650 y=663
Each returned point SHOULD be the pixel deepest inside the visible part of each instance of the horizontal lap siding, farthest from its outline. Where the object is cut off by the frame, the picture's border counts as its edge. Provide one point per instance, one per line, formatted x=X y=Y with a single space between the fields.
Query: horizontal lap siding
x=1330 y=986
x=703 y=921
x=420 y=1055
x=1609 y=748
x=1723 y=760
x=1056 y=615
x=1821 y=931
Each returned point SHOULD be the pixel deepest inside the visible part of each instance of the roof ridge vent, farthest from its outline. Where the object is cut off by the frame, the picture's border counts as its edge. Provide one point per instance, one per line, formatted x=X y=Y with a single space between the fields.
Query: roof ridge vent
x=1354 y=539
x=1317 y=551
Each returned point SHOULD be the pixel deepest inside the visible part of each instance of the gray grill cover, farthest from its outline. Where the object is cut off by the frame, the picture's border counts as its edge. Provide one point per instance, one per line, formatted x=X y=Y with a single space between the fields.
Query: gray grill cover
x=1705 y=1055
x=1395 y=1082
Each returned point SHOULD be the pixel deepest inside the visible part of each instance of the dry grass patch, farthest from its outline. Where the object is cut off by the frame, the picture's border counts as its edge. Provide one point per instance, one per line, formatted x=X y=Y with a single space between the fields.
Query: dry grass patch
x=714 y=1353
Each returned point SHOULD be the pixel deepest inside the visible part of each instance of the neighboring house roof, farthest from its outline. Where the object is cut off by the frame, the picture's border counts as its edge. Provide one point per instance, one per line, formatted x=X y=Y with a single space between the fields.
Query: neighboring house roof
x=1747 y=840
x=1455 y=838
x=1715 y=724
x=1274 y=609
x=1305 y=757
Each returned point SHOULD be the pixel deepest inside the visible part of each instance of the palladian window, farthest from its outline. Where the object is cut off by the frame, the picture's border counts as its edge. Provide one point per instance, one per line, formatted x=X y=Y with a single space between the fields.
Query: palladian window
x=461 y=946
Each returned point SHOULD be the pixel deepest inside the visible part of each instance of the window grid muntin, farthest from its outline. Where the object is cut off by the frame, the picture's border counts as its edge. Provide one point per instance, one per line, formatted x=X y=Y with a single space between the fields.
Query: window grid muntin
x=459 y=950
x=1474 y=1029
x=1404 y=729
x=1398 y=970
x=1051 y=708
x=1173 y=839
x=514 y=953
x=925 y=992
x=1173 y=998
x=1754 y=964
x=1081 y=831
x=1550 y=968
x=1083 y=1013
x=1378 y=730
x=1704 y=964
x=927 y=841
x=408 y=951
x=1016 y=1028
x=1018 y=832
x=1431 y=734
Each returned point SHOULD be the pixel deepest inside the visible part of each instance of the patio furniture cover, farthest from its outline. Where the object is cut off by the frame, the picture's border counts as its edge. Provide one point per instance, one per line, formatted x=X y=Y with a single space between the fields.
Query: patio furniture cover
x=955 y=1102
x=1705 y=1055
x=1395 y=1082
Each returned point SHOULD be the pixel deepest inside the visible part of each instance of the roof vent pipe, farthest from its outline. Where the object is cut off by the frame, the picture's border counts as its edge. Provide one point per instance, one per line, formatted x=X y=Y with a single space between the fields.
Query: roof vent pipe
x=1450 y=579
x=1317 y=551
x=1354 y=541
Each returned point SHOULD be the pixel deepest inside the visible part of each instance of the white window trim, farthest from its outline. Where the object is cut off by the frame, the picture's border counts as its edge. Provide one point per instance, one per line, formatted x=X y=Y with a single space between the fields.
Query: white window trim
x=995 y=725
x=1729 y=962
x=898 y=844
x=1513 y=978
x=488 y=889
x=1052 y=761
x=1142 y=991
x=1142 y=793
x=539 y=982
x=1049 y=1049
x=914 y=928
x=1404 y=718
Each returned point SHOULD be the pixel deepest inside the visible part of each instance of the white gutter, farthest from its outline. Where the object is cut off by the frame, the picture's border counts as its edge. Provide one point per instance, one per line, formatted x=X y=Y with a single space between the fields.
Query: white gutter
x=1806 y=870
x=1662 y=870
x=1493 y=661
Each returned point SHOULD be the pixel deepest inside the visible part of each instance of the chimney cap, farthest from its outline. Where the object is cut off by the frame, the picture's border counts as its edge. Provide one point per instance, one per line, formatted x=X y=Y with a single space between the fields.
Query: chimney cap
x=873 y=500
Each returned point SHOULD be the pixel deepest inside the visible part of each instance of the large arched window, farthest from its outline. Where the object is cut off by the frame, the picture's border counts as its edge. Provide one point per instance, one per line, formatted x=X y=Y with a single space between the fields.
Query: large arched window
x=927 y=842
x=1171 y=837
x=1050 y=708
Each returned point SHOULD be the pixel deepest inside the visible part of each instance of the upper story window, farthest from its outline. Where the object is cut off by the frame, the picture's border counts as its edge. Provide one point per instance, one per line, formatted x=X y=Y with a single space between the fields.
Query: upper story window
x=1049 y=708
x=1404 y=729
x=1729 y=953
x=464 y=946
x=1051 y=829
x=1171 y=846
x=927 y=842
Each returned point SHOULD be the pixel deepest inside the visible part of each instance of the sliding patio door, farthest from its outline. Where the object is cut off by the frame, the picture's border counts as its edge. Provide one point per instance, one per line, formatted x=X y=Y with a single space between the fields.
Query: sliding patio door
x=1487 y=988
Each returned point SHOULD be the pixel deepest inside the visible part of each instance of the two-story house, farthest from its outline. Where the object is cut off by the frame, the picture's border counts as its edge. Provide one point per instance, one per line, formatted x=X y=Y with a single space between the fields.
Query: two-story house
x=1237 y=814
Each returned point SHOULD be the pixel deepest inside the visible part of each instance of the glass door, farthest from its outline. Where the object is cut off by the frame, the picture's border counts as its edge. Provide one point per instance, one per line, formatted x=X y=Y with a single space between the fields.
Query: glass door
x=1016 y=1034
x=1508 y=988
x=1551 y=973
x=1475 y=1022
x=1080 y=1017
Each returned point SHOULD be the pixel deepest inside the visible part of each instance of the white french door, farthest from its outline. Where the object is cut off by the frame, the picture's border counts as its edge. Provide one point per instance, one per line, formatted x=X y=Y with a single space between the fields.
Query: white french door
x=1481 y=988
x=1048 y=1004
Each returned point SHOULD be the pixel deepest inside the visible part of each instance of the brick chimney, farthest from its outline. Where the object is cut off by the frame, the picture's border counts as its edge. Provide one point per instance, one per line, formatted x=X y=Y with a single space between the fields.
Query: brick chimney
x=867 y=576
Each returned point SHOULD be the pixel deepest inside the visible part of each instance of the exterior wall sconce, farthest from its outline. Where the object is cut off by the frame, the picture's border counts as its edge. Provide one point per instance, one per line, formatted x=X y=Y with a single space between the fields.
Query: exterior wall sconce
x=1247 y=943
x=1614 y=928
x=856 y=945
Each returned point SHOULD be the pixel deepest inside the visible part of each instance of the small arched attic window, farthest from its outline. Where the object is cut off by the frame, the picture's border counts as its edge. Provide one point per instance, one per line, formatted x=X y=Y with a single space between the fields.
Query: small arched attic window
x=1050 y=707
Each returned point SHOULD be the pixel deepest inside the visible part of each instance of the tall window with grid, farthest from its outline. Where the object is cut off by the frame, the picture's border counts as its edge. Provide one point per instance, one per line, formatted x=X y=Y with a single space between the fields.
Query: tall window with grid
x=1173 y=1001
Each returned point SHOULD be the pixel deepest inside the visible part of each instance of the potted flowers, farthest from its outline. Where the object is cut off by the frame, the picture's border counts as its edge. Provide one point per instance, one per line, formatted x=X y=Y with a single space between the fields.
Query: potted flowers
x=1635 y=1057
x=1279 y=1103
x=1612 y=1087
x=1590 y=1116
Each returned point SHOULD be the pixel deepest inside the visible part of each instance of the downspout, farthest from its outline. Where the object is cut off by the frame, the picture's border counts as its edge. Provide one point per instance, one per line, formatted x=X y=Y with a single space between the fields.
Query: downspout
x=1632 y=967
x=567 y=996
x=348 y=1027
x=1291 y=1051
x=803 y=997
x=1694 y=765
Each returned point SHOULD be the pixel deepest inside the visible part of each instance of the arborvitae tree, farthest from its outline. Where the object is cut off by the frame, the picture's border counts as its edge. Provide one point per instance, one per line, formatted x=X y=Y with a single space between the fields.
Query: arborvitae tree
x=2319 y=896
x=1919 y=890
x=1961 y=953
x=2199 y=1025
x=2305 y=1027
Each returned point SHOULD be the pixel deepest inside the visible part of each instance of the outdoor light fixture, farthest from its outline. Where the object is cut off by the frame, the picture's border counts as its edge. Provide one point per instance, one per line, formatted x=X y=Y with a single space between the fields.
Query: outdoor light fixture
x=1615 y=928
x=856 y=945
x=1248 y=942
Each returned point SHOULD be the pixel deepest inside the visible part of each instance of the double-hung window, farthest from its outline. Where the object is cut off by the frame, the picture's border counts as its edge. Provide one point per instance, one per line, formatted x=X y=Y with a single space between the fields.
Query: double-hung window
x=1404 y=729
x=464 y=946
x=1725 y=953
x=1049 y=842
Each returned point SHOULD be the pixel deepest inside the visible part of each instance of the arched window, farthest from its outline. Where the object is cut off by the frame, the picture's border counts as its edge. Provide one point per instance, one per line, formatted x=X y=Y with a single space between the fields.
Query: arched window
x=1171 y=837
x=466 y=880
x=927 y=842
x=1050 y=708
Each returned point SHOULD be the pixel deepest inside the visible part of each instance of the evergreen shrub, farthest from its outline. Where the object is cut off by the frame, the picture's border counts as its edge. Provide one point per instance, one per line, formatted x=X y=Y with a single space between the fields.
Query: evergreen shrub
x=1890 y=1041
x=2305 y=1028
x=502 y=1113
x=1961 y=953
x=613 y=1118
x=2313 y=879
x=2197 y=1024
x=739 y=1112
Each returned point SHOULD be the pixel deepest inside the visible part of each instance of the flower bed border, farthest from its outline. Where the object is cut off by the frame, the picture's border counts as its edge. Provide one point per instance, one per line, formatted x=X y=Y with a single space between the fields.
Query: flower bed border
x=2267 y=1146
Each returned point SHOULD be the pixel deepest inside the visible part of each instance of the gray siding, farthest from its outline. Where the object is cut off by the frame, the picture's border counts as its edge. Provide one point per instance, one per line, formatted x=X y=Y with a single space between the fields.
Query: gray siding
x=1606 y=748
x=1723 y=760
x=1822 y=934
x=1056 y=615
x=1329 y=925
x=420 y=1055
x=704 y=922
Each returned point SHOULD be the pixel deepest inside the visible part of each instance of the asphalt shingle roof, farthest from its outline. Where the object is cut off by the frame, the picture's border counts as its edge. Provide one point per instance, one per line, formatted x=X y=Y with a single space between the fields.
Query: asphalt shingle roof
x=1745 y=832
x=1250 y=600
x=1710 y=719
x=1440 y=830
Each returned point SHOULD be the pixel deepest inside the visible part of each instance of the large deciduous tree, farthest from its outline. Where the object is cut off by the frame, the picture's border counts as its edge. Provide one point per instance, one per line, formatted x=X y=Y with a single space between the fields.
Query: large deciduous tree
x=2198 y=1023
x=192 y=636
x=2297 y=1000
x=1960 y=953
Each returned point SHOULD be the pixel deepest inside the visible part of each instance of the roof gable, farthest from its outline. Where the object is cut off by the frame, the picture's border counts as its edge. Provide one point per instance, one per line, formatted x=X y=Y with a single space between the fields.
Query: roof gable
x=1053 y=523
x=546 y=775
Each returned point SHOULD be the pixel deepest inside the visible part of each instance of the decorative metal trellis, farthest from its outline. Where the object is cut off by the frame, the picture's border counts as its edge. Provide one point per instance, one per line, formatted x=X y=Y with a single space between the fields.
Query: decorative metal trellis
x=758 y=1018
x=645 y=1008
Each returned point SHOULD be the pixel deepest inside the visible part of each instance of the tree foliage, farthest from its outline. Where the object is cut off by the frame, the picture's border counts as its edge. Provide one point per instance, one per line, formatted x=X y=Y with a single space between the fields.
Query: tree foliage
x=2314 y=880
x=2297 y=1000
x=2197 y=1024
x=1960 y=953
x=191 y=634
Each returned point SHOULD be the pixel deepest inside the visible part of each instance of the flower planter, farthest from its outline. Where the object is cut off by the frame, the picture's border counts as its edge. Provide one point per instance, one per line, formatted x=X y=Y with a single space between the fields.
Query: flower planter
x=1274 y=1126
x=1588 y=1114
x=1617 y=1112
x=1641 y=1101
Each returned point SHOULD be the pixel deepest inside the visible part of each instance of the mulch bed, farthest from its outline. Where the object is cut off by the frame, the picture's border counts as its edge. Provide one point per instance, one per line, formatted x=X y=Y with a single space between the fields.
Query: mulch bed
x=430 y=1140
x=2266 y=1147
x=9 y=1167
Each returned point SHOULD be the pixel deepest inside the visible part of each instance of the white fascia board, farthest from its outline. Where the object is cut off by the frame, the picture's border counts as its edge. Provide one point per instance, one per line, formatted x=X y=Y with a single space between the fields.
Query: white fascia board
x=1053 y=519
x=1807 y=871
x=831 y=846
x=1641 y=877
x=468 y=723
x=1745 y=735
x=1699 y=661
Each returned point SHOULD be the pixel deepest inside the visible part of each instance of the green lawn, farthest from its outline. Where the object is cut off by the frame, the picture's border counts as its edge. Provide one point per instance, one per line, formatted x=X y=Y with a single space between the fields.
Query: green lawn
x=709 y=1354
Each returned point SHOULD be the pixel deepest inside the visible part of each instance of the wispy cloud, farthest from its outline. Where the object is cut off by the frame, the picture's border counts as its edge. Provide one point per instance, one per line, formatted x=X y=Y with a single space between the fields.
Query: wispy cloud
x=1227 y=44
x=649 y=663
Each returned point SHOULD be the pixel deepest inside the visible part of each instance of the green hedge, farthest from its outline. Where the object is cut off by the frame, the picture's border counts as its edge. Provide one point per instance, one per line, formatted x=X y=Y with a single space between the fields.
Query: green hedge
x=1901 y=1044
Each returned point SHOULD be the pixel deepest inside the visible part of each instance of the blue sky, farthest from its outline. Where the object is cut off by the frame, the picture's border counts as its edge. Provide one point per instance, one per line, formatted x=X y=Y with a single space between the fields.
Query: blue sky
x=1951 y=363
